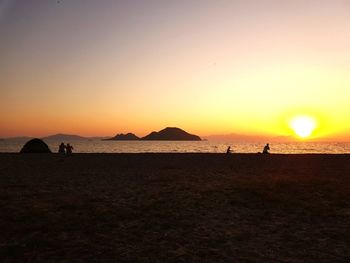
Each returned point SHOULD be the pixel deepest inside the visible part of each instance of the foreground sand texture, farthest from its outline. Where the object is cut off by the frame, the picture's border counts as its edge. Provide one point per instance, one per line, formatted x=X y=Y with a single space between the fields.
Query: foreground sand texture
x=174 y=208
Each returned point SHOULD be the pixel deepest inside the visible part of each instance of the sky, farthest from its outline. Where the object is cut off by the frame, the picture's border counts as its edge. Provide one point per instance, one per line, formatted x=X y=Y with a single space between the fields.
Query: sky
x=98 y=68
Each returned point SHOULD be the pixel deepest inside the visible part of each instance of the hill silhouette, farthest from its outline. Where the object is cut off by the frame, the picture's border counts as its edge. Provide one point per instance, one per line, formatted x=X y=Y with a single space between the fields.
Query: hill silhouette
x=123 y=137
x=64 y=137
x=171 y=134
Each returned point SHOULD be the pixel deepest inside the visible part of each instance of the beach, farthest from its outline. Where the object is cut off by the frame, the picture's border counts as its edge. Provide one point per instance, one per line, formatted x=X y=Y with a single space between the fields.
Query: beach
x=158 y=207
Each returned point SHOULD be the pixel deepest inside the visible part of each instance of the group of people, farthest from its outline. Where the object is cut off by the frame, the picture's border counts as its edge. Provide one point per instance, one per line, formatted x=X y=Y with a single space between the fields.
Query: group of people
x=65 y=149
x=265 y=150
x=68 y=149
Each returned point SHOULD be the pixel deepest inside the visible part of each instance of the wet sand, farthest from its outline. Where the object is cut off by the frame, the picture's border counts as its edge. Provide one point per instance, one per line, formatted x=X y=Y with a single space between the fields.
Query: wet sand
x=174 y=208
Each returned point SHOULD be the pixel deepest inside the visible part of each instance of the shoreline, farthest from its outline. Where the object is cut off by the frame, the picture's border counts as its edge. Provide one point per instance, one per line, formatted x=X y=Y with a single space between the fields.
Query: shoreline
x=175 y=153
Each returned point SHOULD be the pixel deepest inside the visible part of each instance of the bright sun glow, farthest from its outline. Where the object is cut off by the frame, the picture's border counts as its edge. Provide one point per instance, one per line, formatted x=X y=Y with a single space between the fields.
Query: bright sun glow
x=303 y=126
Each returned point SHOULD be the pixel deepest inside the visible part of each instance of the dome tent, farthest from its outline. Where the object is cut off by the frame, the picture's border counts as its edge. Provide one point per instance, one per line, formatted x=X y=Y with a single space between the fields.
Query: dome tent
x=35 y=146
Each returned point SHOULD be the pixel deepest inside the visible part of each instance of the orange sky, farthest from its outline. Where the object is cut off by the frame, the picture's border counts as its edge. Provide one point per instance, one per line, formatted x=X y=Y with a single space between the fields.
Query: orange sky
x=210 y=67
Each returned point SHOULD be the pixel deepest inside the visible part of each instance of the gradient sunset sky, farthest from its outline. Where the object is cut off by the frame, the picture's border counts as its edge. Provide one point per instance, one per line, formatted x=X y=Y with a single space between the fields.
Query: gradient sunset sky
x=101 y=67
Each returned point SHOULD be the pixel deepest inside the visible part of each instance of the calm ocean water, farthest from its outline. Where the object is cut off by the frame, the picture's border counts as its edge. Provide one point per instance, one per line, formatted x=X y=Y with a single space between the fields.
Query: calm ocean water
x=98 y=146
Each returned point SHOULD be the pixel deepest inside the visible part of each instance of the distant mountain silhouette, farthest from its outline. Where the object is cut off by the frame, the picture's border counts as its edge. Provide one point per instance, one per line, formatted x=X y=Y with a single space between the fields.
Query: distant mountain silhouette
x=171 y=134
x=19 y=138
x=123 y=137
x=64 y=137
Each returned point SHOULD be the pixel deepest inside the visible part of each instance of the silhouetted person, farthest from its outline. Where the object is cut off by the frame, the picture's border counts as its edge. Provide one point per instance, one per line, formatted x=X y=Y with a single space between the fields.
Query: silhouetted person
x=62 y=148
x=266 y=148
x=69 y=148
x=228 y=151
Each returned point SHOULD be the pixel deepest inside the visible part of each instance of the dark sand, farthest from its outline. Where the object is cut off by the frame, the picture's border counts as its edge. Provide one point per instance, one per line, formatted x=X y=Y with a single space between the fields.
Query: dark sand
x=174 y=208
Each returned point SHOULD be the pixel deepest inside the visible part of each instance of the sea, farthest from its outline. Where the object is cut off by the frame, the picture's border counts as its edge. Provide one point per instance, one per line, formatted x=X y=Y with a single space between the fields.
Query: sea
x=99 y=146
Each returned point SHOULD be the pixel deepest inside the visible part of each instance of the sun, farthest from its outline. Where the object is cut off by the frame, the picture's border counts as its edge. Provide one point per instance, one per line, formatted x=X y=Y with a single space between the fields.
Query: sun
x=303 y=126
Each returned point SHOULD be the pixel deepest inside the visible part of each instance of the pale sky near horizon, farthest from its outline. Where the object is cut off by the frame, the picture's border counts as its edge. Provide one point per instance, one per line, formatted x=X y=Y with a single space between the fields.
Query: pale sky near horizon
x=209 y=67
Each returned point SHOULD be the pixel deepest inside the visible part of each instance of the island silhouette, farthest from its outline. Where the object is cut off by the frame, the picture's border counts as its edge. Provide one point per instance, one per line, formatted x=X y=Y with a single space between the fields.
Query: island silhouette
x=167 y=134
x=64 y=137
x=123 y=137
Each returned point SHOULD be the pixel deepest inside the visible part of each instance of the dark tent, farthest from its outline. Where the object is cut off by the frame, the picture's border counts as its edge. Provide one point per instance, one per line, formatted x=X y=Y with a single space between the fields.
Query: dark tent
x=35 y=146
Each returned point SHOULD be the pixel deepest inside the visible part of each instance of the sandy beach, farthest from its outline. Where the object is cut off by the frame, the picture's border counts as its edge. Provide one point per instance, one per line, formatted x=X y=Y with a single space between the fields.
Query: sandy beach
x=174 y=208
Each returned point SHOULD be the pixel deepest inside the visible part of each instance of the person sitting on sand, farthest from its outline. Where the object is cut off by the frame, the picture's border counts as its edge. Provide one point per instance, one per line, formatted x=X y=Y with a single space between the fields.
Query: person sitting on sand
x=69 y=148
x=62 y=148
x=266 y=148
x=228 y=151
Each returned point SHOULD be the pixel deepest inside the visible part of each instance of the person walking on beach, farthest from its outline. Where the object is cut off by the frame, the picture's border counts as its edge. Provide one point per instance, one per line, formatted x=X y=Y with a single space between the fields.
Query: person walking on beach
x=69 y=149
x=62 y=148
x=266 y=149
x=228 y=151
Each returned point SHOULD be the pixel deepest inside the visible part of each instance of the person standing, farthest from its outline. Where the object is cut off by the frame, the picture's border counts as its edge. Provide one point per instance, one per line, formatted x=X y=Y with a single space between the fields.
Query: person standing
x=62 y=148
x=69 y=149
